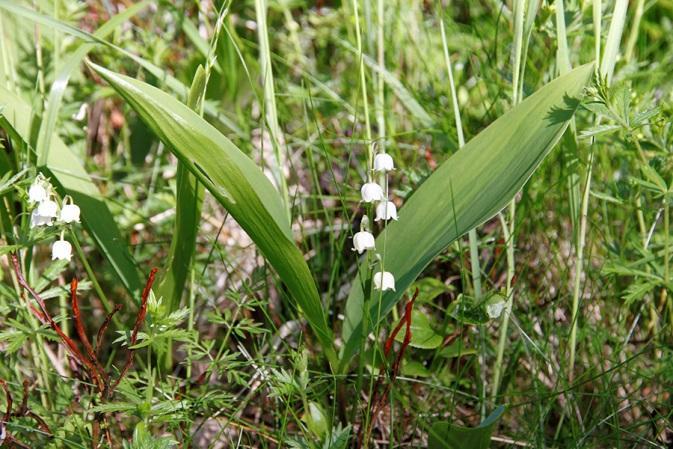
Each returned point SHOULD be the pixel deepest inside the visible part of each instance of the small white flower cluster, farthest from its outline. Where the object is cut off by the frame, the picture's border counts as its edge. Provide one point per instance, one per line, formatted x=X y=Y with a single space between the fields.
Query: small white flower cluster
x=47 y=214
x=372 y=192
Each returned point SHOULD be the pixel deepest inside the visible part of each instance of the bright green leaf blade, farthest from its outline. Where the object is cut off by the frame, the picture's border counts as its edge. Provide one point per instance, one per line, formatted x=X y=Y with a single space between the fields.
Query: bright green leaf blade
x=236 y=182
x=422 y=334
x=67 y=171
x=444 y=435
x=466 y=190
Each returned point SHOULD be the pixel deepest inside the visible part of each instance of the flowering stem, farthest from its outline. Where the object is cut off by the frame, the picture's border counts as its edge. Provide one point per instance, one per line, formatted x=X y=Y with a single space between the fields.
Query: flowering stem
x=363 y=86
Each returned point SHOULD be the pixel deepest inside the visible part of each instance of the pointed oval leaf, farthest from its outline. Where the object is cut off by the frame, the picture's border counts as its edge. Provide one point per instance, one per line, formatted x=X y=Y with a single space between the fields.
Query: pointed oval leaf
x=445 y=435
x=466 y=190
x=235 y=181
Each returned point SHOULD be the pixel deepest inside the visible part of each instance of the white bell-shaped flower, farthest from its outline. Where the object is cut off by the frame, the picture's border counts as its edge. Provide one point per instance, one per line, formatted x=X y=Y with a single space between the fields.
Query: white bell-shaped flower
x=37 y=192
x=363 y=241
x=69 y=213
x=371 y=192
x=383 y=162
x=48 y=208
x=61 y=250
x=38 y=220
x=384 y=280
x=386 y=210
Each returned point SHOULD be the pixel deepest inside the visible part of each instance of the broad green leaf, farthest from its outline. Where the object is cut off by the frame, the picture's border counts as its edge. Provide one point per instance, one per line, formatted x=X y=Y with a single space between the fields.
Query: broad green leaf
x=236 y=182
x=465 y=191
x=68 y=173
x=422 y=334
x=430 y=288
x=444 y=435
x=414 y=368
x=456 y=349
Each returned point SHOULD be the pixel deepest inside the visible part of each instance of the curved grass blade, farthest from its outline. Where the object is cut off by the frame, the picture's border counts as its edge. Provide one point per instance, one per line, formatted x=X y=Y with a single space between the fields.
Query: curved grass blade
x=236 y=182
x=466 y=190
x=59 y=85
x=173 y=83
x=398 y=88
x=66 y=171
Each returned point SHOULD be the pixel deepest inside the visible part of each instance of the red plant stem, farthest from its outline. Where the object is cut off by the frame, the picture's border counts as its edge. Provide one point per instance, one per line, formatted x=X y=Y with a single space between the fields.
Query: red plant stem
x=93 y=373
x=405 y=319
x=140 y=319
x=378 y=395
x=79 y=326
x=8 y=396
x=100 y=337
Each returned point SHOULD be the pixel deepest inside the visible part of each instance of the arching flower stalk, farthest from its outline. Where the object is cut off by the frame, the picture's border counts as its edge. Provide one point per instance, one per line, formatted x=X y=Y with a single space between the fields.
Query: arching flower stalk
x=46 y=212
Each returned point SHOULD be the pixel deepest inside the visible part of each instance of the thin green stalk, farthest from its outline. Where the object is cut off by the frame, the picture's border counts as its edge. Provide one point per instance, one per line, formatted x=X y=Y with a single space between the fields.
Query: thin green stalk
x=472 y=234
x=270 y=100
x=597 y=10
x=37 y=350
x=190 y=321
x=380 y=59
x=363 y=87
x=107 y=305
x=614 y=38
x=635 y=28
x=509 y=233
x=579 y=265
x=667 y=258
x=607 y=67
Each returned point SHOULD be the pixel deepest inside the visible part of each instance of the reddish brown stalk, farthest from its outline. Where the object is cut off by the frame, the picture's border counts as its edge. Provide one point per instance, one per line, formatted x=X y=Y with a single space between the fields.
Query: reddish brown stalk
x=379 y=396
x=72 y=347
x=79 y=326
x=9 y=440
x=8 y=396
x=100 y=337
x=140 y=319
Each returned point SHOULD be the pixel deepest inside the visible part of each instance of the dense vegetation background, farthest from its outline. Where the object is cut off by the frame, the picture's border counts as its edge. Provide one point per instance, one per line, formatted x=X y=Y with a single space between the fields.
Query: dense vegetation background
x=557 y=308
